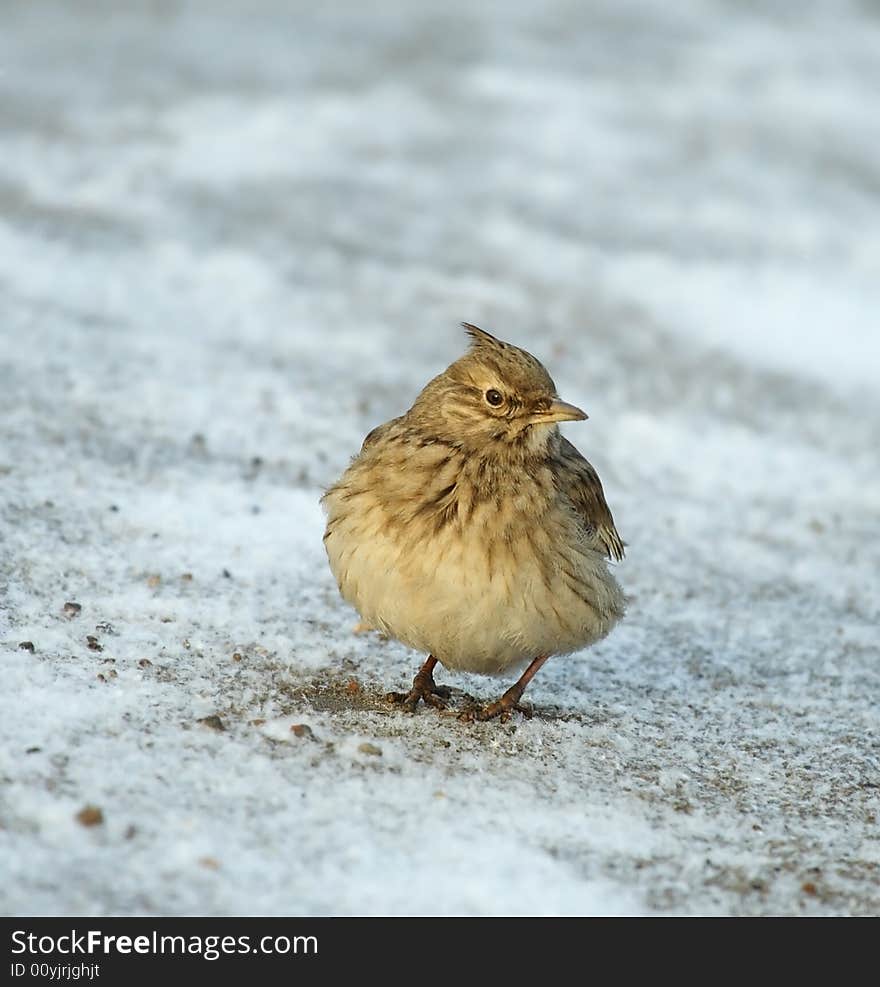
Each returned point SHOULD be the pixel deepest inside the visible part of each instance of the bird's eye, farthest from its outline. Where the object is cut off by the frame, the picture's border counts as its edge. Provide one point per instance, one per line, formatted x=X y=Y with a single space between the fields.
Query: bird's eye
x=494 y=397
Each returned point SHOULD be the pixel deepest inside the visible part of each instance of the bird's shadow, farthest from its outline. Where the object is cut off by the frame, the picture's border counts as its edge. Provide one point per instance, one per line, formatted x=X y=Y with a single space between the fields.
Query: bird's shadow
x=335 y=694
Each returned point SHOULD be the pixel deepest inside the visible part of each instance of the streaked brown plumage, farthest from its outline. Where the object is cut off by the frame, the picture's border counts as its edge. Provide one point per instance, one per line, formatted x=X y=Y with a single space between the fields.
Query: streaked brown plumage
x=472 y=530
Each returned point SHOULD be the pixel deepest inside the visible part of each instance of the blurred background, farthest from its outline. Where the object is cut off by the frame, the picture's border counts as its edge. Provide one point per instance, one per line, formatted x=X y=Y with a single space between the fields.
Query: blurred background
x=617 y=176
x=235 y=236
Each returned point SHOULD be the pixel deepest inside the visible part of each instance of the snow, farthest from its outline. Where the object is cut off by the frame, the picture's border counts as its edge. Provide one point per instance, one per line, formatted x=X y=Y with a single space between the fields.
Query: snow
x=233 y=238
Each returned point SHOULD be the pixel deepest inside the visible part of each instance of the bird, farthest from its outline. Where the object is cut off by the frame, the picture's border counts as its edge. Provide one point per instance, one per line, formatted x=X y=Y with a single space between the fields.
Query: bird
x=471 y=530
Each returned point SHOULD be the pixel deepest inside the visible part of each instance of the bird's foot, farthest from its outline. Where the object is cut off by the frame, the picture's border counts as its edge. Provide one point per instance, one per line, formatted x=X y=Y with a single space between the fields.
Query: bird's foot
x=424 y=689
x=502 y=709
x=510 y=701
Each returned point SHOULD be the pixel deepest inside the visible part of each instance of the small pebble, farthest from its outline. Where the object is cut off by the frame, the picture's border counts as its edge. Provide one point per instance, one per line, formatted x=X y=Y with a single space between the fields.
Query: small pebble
x=26 y=646
x=372 y=749
x=214 y=722
x=90 y=815
x=71 y=609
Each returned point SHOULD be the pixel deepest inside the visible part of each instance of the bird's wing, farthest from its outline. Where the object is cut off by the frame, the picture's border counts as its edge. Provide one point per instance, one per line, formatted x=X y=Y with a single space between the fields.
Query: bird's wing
x=581 y=484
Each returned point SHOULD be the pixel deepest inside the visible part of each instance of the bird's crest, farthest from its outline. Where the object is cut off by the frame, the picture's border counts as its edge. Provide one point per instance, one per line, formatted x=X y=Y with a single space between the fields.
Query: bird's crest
x=481 y=339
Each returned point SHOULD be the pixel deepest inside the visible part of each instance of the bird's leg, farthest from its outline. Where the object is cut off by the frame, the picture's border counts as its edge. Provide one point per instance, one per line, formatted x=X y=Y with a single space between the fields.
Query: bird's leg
x=509 y=702
x=424 y=687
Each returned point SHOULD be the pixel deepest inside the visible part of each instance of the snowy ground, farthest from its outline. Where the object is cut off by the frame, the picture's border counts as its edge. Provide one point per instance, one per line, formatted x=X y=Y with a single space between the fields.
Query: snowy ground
x=233 y=238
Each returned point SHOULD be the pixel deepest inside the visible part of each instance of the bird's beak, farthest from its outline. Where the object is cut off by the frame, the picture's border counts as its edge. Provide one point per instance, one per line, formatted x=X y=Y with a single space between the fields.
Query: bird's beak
x=560 y=411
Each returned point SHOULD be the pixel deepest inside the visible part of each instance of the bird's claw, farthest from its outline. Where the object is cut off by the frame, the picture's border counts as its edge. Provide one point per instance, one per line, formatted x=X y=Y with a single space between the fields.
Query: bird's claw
x=428 y=692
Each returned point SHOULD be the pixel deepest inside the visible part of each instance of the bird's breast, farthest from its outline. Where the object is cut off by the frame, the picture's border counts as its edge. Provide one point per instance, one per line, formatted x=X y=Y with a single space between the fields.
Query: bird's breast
x=483 y=571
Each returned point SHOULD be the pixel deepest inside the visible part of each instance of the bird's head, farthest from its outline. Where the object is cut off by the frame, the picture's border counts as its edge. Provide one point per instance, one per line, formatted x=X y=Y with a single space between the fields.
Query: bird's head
x=496 y=398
